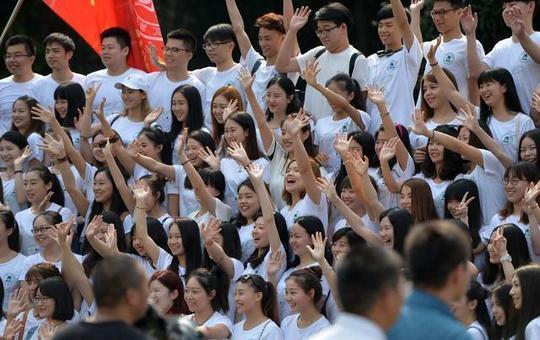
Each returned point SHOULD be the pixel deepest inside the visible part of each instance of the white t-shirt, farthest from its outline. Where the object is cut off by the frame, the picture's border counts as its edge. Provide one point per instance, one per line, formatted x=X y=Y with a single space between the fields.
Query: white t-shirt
x=342 y=223
x=10 y=272
x=213 y=80
x=306 y=207
x=9 y=92
x=331 y=64
x=418 y=141
x=164 y=261
x=223 y=213
x=476 y=331
x=246 y=240
x=214 y=320
x=107 y=90
x=437 y=191
x=508 y=133
x=267 y=330
x=25 y=220
x=325 y=135
x=509 y=54
x=127 y=129
x=490 y=176
x=188 y=201
x=497 y=220
x=397 y=75
x=388 y=199
x=235 y=174
x=262 y=268
x=37 y=259
x=278 y=166
x=160 y=90
x=291 y=331
x=68 y=201
x=452 y=55
x=43 y=89
x=238 y=268
x=10 y=196
x=34 y=140
x=532 y=331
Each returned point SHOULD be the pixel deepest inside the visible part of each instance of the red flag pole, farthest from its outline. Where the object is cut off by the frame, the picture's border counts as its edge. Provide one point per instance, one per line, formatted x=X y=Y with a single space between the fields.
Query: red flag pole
x=11 y=21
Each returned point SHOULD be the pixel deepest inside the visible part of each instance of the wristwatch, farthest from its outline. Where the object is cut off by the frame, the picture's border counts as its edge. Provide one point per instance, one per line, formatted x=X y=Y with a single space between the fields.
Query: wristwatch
x=506 y=258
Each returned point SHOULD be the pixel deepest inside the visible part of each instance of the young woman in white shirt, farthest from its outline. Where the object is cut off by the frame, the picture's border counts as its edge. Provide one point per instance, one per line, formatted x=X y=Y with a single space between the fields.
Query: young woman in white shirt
x=256 y=299
x=529 y=147
x=11 y=260
x=302 y=194
x=303 y=292
x=183 y=240
x=167 y=294
x=44 y=193
x=205 y=299
x=222 y=257
x=503 y=311
x=395 y=224
x=32 y=129
x=12 y=146
x=226 y=100
x=472 y=312
x=525 y=289
x=69 y=98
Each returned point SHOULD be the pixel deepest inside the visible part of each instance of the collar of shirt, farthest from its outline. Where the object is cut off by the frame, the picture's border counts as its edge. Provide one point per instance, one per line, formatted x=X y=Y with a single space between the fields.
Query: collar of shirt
x=387 y=53
x=360 y=325
x=420 y=298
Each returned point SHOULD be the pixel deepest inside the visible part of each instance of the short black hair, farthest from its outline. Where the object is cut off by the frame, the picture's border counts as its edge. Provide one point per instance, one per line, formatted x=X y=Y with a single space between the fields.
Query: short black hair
x=57 y=289
x=337 y=13
x=219 y=32
x=363 y=274
x=24 y=40
x=190 y=42
x=121 y=35
x=453 y=3
x=434 y=250
x=62 y=39
x=386 y=13
x=112 y=277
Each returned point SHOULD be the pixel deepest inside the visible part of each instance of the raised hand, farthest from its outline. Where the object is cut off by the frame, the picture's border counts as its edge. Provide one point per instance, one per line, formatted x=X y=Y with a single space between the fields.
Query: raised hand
x=43 y=114
x=46 y=331
x=246 y=78
x=238 y=153
x=13 y=328
x=299 y=19
x=140 y=191
x=468 y=119
x=209 y=157
x=19 y=161
x=93 y=227
x=469 y=21
x=255 y=172
x=433 y=49
x=110 y=237
x=100 y=113
x=231 y=108
x=18 y=302
x=327 y=187
x=322 y=158
x=416 y=6
x=310 y=72
x=318 y=249
x=45 y=202
x=153 y=116
x=535 y=99
x=419 y=155
x=134 y=148
x=210 y=231
x=90 y=94
x=376 y=95
x=181 y=144
x=462 y=210
x=499 y=242
x=388 y=150
x=419 y=125
x=52 y=146
x=274 y=265
x=342 y=144
x=531 y=195
x=361 y=166
x=517 y=23
x=297 y=123
x=152 y=52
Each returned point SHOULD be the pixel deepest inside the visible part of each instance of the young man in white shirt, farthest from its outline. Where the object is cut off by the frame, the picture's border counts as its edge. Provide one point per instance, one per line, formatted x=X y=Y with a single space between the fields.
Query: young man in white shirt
x=178 y=51
x=19 y=58
x=519 y=53
x=59 y=50
x=396 y=68
x=452 y=53
x=218 y=43
x=334 y=22
x=272 y=28
x=115 y=49
x=369 y=285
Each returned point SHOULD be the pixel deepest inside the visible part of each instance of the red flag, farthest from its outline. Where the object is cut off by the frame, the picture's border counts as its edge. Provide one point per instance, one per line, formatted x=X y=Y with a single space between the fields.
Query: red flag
x=90 y=17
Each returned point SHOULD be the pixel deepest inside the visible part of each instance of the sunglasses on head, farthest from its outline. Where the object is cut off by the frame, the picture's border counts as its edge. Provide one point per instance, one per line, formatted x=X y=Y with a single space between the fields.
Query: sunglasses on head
x=257 y=281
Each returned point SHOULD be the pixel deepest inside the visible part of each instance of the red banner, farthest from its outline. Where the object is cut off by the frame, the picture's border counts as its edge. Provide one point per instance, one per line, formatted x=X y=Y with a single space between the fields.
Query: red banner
x=90 y=17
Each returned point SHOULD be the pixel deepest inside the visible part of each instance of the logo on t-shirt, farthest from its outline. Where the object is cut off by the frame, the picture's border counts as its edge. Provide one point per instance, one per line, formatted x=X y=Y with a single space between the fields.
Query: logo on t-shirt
x=524 y=57
x=449 y=58
x=392 y=66
x=507 y=139
x=9 y=279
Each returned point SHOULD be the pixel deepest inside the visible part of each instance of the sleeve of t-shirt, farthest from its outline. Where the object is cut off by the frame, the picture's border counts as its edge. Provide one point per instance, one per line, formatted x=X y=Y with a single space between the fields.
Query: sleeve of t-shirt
x=361 y=71
x=272 y=332
x=164 y=260
x=251 y=58
x=66 y=213
x=223 y=211
x=532 y=331
x=203 y=74
x=238 y=268
x=526 y=125
x=127 y=224
x=112 y=117
x=414 y=55
x=25 y=265
x=302 y=59
x=492 y=165
x=173 y=187
x=366 y=119
x=490 y=58
x=33 y=141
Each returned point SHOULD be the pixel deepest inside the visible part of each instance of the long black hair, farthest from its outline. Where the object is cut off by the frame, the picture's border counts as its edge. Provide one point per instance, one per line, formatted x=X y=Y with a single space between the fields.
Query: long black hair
x=284 y=83
x=529 y=281
x=401 y=221
x=453 y=164
x=479 y=294
x=312 y=225
x=511 y=98
x=191 y=242
x=455 y=192
x=248 y=125
x=159 y=137
x=534 y=135
x=7 y=217
x=504 y=300
x=195 y=116
x=256 y=258
x=48 y=177
x=74 y=94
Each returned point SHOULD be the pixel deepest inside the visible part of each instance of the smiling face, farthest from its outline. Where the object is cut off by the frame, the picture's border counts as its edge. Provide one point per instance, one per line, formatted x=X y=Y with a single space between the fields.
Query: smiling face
x=21 y=117
x=219 y=104
x=270 y=42
x=248 y=202
x=386 y=232
x=39 y=230
x=98 y=143
x=349 y=197
x=494 y=256
x=174 y=241
x=9 y=152
x=527 y=150
x=260 y=237
x=192 y=152
x=149 y=148
x=492 y=92
x=277 y=99
x=516 y=293
x=44 y=305
x=340 y=247
x=293 y=179
x=103 y=188
x=234 y=132
x=432 y=94
x=17 y=60
x=446 y=17
x=196 y=296
x=389 y=32
x=219 y=51
x=405 y=198
x=179 y=106
x=515 y=189
x=56 y=56
x=382 y=138
x=35 y=188
x=498 y=311
x=161 y=298
x=246 y=297
x=330 y=34
x=132 y=98
x=436 y=151
x=452 y=206
x=338 y=88
x=175 y=54
x=295 y=296
x=61 y=106
x=299 y=239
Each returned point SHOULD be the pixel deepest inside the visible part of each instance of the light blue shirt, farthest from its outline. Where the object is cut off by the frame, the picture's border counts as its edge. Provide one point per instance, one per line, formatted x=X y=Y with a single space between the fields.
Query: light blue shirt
x=424 y=316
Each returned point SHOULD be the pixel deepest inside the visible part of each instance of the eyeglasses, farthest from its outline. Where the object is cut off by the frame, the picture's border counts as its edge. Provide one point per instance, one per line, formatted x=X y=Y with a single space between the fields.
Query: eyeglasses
x=214 y=44
x=174 y=49
x=324 y=31
x=257 y=281
x=442 y=12
x=15 y=56
x=40 y=229
x=40 y=299
x=513 y=182
x=100 y=145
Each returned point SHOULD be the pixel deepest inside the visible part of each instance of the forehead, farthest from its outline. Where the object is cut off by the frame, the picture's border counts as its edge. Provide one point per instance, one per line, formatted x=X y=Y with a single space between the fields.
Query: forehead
x=40 y=220
x=442 y=5
x=175 y=43
x=54 y=45
x=325 y=24
x=221 y=99
x=263 y=31
x=16 y=48
x=5 y=143
x=101 y=176
x=31 y=175
x=244 y=189
x=387 y=21
x=110 y=41
x=232 y=123
x=178 y=95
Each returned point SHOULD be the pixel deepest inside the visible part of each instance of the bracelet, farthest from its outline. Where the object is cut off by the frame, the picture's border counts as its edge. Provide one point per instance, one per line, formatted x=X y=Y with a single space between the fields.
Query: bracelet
x=435 y=64
x=85 y=137
x=384 y=114
x=184 y=162
x=18 y=172
x=61 y=160
x=246 y=166
x=143 y=208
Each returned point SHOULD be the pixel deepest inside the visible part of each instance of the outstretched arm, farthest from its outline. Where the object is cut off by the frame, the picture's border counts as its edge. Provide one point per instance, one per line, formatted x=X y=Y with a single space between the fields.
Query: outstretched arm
x=118 y=178
x=416 y=16
x=140 y=193
x=284 y=62
x=403 y=23
x=238 y=27
x=209 y=233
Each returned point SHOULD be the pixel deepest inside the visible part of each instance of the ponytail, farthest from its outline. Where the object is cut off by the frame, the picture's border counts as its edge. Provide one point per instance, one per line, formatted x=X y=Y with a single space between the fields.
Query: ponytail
x=268 y=302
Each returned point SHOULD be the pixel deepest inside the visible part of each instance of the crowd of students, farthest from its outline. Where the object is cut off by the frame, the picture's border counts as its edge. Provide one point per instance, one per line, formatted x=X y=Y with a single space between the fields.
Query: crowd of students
x=288 y=195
